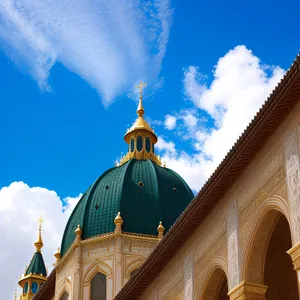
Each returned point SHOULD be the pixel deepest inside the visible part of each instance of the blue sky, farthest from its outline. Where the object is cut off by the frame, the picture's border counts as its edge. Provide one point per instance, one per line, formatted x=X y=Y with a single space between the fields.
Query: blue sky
x=66 y=79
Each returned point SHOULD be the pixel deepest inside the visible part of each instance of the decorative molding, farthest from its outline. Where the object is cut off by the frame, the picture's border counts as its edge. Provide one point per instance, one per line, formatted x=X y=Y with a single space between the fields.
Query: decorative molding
x=294 y=252
x=248 y=291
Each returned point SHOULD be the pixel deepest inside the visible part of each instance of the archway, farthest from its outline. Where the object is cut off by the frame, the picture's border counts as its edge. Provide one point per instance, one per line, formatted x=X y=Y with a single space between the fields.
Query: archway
x=217 y=286
x=268 y=263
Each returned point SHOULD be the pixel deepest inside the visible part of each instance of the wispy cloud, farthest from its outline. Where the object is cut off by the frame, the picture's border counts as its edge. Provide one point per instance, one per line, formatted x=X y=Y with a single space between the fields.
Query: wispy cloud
x=240 y=85
x=109 y=43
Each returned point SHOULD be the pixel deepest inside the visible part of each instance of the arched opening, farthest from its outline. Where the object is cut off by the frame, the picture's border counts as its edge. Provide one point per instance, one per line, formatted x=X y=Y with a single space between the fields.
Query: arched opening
x=217 y=286
x=98 y=287
x=134 y=272
x=34 y=287
x=65 y=296
x=279 y=274
x=139 y=143
x=25 y=289
x=148 y=146
x=132 y=145
x=269 y=264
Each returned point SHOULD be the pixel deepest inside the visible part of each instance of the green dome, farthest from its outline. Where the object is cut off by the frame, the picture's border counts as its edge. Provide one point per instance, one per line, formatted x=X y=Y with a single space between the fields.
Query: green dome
x=142 y=191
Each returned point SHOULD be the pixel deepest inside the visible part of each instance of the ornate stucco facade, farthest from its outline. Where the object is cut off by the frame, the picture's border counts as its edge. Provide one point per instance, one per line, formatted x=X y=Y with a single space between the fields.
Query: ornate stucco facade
x=116 y=255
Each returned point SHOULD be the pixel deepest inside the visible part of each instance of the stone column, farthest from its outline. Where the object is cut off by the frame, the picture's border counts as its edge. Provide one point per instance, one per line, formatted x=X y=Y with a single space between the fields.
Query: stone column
x=248 y=291
x=118 y=272
x=76 y=282
x=234 y=270
x=294 y=252
x=189 y=277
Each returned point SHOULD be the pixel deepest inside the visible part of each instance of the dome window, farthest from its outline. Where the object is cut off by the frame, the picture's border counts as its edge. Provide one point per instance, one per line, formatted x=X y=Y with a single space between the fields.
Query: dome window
x=34 y=287
x=132 y=145
x=107 y=187
x=141 y=184
x=97 y=206
x=139 y=143
x=148 y=145
x=98 y=287
x=174 y=190
x=25 y=289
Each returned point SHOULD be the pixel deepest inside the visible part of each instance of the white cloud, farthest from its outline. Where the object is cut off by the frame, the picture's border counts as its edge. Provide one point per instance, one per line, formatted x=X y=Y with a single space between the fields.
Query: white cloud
x=109 y=43
x=168 y=147
x=240 y=85
x=170 y=122
x=20 y=207
x=190 y=120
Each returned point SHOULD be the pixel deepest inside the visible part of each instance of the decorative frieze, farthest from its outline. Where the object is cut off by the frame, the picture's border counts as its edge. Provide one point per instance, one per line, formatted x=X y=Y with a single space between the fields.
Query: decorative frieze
x=260 y=176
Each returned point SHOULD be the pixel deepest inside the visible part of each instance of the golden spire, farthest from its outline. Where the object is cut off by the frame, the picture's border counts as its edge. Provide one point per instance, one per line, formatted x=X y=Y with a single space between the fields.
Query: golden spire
x=39 y=242
x=140 y=110
x=16 y=295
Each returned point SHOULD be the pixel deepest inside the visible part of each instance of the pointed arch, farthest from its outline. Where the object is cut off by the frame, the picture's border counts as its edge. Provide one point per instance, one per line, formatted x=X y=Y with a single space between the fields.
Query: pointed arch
x=134 y=265
x=98 y=267
x=66 y=290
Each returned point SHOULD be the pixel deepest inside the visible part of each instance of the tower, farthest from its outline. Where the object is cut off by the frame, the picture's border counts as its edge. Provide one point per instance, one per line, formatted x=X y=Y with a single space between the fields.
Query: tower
x=35 y=274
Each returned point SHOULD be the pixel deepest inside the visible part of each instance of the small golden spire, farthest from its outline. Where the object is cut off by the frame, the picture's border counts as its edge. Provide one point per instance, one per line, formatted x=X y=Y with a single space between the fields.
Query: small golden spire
x=16 y=295
x=39 y=242
x=160 y=230
x=140 y=110
x=57 y=255
x=118 y=222
x=78 y=233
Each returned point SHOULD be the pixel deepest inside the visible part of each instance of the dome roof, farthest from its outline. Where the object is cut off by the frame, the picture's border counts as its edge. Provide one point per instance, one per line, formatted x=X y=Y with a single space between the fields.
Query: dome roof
x=37 y=265
x=145 y=194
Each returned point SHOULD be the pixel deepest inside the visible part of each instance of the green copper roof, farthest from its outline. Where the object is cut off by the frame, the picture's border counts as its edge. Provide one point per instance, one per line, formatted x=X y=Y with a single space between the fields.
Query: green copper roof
x=161 y=196
x=37 y=265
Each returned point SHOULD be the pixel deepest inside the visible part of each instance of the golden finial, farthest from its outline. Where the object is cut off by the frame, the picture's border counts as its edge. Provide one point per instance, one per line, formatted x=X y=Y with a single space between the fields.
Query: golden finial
x=39 y=242
x=78 y=233
x=118 y=222
x=57 y=255
x=140 y=109
x=16 y=295
x=160 y=230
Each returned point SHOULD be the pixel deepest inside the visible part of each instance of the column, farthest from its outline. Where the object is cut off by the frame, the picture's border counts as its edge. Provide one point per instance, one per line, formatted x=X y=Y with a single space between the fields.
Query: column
x=234 y=272
x=118 y=274
x=189 y=277
x=294 y=252
x=248 y=291
x=76 y=283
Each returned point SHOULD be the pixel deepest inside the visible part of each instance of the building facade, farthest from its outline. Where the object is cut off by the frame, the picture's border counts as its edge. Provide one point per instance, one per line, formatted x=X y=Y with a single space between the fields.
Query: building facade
x=239 y=238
